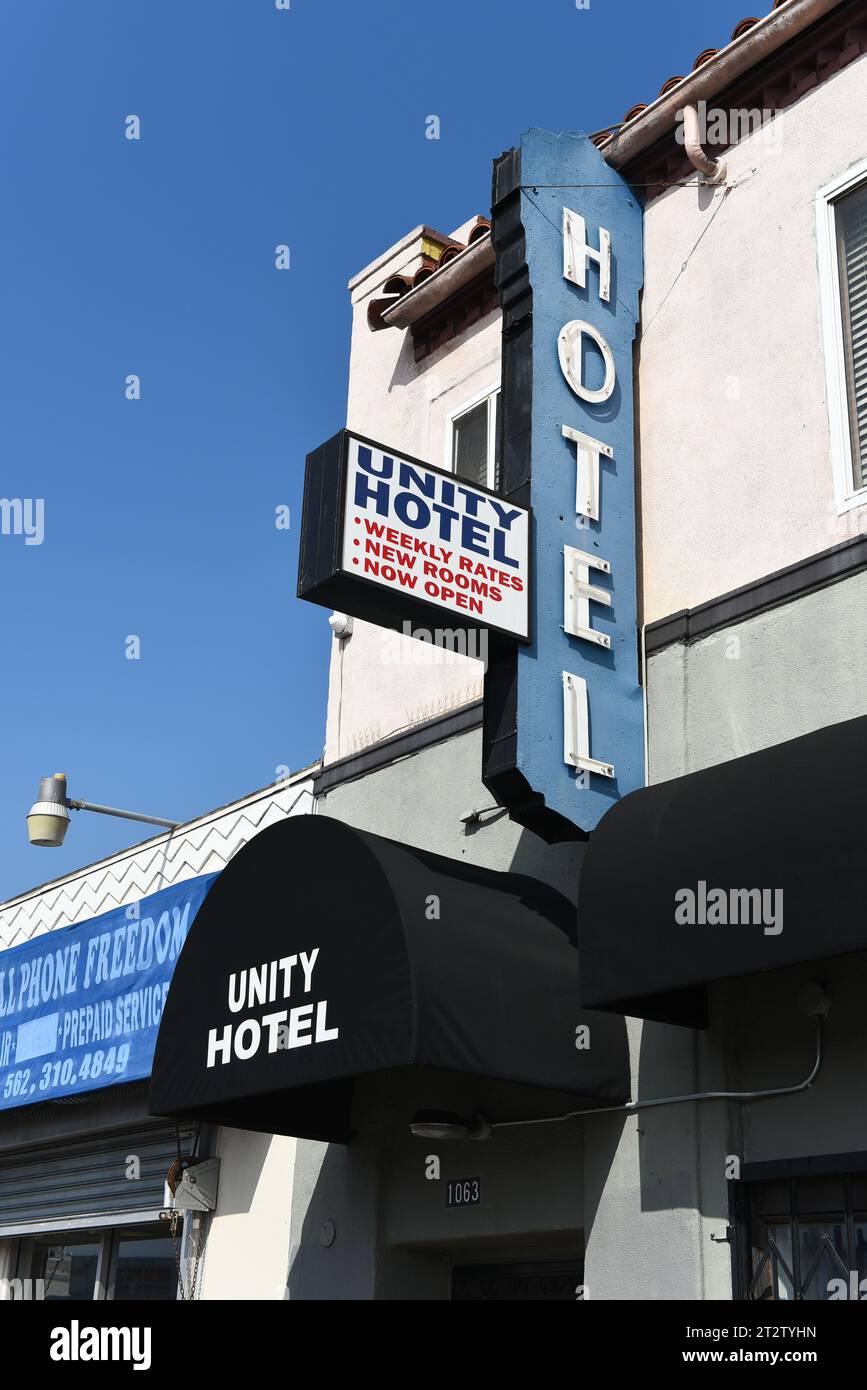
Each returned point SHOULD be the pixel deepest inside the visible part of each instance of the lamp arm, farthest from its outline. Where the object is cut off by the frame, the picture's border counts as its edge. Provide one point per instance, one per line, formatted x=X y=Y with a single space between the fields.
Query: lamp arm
x=124 y=815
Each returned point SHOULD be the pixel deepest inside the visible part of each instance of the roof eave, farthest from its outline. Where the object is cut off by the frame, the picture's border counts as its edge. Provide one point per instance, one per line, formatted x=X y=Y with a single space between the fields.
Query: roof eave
x=763 y=39
x=475 y=258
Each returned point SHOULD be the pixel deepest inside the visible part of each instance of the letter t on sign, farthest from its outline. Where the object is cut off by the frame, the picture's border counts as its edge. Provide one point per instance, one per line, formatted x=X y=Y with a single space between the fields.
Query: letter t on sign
x=587 y=453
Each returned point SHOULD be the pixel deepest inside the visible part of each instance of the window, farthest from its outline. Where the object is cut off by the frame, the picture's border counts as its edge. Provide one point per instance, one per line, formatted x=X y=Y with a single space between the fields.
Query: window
x=841 y=212
x=144 y=1264
x=804 y=1238
x=67 y=1267
x=124 y=1263
x=471 y=439
x=851 y=221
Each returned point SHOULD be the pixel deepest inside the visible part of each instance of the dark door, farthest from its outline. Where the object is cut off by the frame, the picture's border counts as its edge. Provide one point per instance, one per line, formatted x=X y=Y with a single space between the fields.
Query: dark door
x=538 y=1279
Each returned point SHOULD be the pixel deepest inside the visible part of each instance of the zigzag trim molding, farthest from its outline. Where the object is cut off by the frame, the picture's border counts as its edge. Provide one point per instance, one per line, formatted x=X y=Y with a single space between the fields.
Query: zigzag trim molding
x=205 y=848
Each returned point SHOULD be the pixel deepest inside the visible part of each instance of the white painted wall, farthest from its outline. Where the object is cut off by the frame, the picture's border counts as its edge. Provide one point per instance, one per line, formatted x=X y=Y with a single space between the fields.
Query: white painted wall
x=736 y=475
x=732 y=395
x=247 y=1252
x=382 y=682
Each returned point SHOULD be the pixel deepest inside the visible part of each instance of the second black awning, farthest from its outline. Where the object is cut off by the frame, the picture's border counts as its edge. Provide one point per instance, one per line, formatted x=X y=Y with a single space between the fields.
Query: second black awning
x=323 y=953
x=752 y=865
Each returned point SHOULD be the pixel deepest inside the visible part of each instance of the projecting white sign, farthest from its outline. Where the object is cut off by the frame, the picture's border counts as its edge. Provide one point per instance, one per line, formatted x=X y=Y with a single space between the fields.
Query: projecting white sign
x=431 y=536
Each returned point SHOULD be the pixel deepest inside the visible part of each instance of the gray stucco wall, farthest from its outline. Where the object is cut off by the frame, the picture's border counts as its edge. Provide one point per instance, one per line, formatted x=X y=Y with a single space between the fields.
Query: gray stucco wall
x=774 y=677
x=643 y=1193
x=421 y=799
x=770 y=678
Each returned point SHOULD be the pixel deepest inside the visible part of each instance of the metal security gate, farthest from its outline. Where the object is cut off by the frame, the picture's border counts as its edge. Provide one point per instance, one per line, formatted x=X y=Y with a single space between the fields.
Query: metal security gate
x=802 y=1237
x=86 y=1180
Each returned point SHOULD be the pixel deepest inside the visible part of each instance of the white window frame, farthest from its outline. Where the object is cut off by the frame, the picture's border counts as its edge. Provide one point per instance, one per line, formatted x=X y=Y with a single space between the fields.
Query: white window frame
x=847 y=496
x=491 y=395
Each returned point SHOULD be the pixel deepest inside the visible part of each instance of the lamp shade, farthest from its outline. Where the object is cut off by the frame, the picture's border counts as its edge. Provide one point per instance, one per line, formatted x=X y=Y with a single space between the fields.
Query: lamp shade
x=48 y=817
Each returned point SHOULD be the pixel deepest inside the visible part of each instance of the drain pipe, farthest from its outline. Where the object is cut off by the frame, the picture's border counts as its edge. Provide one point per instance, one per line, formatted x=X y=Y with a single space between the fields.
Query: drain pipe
x=715 y=169
x=633 y=1106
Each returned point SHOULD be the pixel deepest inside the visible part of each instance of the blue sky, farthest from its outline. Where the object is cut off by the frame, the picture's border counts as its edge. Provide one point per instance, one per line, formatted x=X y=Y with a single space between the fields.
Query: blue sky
x=259 y=126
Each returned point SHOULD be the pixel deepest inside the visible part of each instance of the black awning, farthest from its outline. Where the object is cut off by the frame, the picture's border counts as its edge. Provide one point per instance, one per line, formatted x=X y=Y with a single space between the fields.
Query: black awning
x=788 y=820
x=323 y=953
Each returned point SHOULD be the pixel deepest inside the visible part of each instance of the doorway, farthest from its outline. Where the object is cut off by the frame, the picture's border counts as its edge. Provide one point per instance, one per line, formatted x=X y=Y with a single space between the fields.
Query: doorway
x=533 y=1280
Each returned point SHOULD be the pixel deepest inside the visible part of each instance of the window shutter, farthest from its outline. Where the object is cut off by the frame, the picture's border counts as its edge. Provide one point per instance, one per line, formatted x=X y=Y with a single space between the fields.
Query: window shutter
x=851 y=223
x=86 y=1176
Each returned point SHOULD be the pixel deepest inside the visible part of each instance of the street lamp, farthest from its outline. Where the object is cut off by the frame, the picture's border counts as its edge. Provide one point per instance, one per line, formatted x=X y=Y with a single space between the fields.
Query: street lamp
x=48 y=817
x=441 y=1124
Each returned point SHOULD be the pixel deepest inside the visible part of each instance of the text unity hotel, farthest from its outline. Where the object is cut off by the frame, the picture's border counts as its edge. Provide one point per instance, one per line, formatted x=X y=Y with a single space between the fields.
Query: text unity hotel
x=546 y=979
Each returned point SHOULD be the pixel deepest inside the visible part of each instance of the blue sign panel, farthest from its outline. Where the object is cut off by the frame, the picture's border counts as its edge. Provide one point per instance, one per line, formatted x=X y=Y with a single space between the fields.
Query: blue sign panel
x=80 y=1007
x=564 y=714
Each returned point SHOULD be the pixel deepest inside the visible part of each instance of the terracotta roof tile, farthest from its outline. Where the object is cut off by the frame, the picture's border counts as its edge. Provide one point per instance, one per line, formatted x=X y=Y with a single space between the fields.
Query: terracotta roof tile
x=635 y=111
x=399 y=285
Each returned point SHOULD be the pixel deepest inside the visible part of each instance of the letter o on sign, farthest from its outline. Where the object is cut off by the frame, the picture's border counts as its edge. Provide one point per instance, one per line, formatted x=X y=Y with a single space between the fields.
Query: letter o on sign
x=570 y=350
x=243 y=1049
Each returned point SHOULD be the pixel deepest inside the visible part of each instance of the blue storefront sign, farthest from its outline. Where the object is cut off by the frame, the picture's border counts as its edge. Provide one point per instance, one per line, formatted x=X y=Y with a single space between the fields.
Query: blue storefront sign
x=80 y=1007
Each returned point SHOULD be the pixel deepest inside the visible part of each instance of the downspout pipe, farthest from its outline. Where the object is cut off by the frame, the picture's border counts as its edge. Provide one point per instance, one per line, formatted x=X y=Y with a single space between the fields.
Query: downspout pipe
x=714 y=169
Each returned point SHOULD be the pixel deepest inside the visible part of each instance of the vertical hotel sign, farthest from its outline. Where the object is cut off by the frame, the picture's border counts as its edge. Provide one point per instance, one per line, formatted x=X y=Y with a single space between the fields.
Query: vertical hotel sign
x=564 y=725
